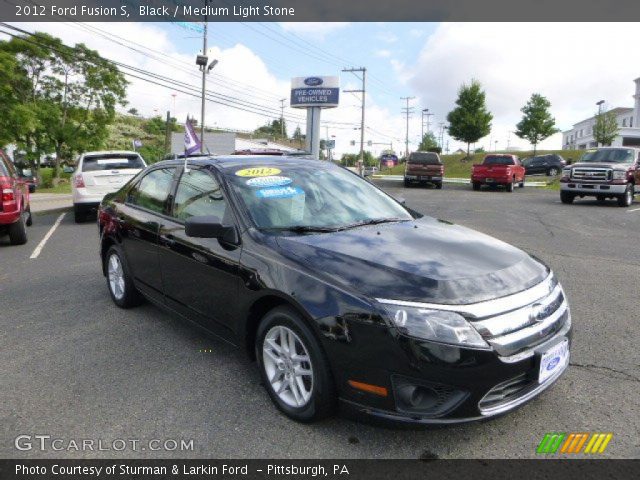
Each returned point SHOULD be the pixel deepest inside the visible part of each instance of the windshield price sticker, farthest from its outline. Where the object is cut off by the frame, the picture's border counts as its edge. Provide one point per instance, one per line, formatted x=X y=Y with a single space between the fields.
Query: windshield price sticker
x=272 y=181
x=258 y=172
x=279 y=192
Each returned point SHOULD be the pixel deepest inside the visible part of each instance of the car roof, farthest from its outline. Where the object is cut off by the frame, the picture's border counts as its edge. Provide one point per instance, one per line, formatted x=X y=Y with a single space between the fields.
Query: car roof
x=232 y=161
x=110 y=152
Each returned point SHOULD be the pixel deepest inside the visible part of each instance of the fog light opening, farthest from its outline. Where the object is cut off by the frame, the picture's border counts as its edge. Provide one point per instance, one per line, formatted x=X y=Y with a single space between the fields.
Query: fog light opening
x=418 y=397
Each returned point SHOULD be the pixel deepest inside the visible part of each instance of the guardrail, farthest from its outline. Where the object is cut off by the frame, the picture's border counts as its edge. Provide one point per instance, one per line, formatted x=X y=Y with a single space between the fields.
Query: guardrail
x=400 y=178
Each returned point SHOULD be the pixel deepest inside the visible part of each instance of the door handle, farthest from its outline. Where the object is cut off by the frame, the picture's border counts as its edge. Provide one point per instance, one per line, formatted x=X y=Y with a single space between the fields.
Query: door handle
x=168 y=240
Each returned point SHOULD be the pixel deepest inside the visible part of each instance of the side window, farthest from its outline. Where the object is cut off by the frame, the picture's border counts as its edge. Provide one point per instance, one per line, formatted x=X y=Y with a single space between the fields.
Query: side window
x=198 y=194
x=152 y=190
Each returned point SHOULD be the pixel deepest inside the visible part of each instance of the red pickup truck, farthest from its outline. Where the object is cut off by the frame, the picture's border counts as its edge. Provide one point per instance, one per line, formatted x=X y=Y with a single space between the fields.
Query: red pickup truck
x=498 y=169
x=15 y=213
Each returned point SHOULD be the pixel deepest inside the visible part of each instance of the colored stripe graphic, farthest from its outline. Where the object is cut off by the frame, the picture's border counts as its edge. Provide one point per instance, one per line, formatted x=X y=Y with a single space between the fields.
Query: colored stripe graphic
x=550 y=443
x=572 y=443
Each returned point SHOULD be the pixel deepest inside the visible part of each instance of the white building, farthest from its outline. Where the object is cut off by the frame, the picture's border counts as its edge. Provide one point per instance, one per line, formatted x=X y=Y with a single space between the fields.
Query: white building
x=580 y=137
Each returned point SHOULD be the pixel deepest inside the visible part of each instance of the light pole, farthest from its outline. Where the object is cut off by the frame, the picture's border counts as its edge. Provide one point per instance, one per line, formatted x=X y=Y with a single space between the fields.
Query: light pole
x=595 y=132
x=202 y=61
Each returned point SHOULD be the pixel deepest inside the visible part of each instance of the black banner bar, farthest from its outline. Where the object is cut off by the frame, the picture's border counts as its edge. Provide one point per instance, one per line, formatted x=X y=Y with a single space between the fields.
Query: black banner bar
x=309 y=469
x=317 y=10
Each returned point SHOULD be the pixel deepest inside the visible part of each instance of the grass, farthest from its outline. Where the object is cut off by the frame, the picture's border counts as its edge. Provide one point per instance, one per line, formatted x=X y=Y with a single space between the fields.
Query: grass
x=456 y=166
x=61 y=188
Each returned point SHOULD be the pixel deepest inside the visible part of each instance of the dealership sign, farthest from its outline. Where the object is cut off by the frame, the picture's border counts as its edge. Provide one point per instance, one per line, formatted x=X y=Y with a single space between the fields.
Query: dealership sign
x=315 y=92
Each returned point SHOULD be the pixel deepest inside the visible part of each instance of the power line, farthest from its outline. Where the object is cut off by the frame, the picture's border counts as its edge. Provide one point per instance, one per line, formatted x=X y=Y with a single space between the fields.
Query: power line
x=407 y=111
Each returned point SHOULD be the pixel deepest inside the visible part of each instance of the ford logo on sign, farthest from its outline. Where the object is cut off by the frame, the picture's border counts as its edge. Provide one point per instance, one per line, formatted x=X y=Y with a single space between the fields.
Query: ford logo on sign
x=553 y=364
x=313 y=81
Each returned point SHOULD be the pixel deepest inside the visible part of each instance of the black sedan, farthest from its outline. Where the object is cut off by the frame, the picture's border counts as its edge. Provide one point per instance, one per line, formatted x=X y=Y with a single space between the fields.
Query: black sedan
x=550 y=165
x=341 y=293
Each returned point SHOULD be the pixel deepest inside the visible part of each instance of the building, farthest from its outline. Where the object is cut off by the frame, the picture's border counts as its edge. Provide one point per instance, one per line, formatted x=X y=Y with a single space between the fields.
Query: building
x=580 y=137
x=225 y=143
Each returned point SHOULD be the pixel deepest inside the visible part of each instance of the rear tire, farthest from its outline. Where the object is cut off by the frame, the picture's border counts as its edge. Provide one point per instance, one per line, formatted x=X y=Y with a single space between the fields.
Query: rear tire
x=123 y=293
x=509 y=187
x=406 y=183
x=476 y=186
x=567 y=197
x=18 y=231
x=304 y=398
x=626 y=199
x=439 y=186
x=552 y=172
x=78 y=214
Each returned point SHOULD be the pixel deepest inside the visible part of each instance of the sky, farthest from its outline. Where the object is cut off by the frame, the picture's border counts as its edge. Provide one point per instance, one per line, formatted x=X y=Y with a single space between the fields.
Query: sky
x=573 y=64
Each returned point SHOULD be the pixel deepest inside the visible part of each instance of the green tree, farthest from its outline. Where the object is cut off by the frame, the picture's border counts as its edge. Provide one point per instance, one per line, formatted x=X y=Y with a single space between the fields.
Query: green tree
x=133 y=111
x=429 y=143
x=66 y=97
x=470 y=120
x=351 y=159
x=606 y=128
x=537 y=124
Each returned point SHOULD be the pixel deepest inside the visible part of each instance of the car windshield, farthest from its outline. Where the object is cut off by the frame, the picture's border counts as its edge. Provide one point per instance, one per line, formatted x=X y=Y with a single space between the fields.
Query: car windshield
x=498 y=160
x=609 y=155
x=111 y=162
x=424 y=158
x=311 y=196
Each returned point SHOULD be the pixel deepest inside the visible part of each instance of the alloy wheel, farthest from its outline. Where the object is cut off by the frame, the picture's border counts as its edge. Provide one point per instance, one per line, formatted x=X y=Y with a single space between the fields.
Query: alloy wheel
x=115 y=273
x=288 y=366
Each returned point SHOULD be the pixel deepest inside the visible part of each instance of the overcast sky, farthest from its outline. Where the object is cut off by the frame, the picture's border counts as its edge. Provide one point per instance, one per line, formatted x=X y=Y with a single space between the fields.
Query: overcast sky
x=573 y=65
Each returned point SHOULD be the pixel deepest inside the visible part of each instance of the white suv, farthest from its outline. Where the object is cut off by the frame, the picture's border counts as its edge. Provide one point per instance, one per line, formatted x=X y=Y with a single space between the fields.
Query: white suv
x=99 y=173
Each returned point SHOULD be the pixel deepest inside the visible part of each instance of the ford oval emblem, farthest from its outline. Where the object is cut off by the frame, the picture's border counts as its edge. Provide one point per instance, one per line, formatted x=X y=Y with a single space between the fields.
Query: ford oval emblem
x=313 y=81
x=553 y=364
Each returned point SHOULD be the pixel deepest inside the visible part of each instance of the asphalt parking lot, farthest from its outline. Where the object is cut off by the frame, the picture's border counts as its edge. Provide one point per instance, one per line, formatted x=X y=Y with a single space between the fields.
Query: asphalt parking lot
x=74 y=366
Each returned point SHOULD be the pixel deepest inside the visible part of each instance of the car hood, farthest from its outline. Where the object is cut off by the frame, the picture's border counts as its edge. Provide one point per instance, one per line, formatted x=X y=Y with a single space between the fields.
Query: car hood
x=621 y=166
x=426 y=260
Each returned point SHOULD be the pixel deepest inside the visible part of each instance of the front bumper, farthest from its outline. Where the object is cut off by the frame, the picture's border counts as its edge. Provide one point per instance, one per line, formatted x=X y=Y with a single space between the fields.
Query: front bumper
x=583 y=188
x=459 y=384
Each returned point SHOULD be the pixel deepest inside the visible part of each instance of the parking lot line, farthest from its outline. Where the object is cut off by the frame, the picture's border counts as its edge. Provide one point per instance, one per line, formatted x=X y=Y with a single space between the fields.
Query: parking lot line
x=634 y=210
x=42 y=243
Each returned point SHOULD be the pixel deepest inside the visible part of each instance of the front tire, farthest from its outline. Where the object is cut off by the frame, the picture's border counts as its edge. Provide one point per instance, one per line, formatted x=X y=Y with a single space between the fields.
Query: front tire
x=123 y=292
x=552 y=172
x=293 y=366
x=626 y=199
x=567 y=197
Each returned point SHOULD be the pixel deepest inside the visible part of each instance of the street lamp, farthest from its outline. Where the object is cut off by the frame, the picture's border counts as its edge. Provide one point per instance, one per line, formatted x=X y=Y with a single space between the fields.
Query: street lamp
x=201 y=61
x=599 y=104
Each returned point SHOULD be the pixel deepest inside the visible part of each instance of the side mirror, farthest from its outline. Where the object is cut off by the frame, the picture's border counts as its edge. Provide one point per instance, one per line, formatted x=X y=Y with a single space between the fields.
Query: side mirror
x=210 y=226
x=401 y=200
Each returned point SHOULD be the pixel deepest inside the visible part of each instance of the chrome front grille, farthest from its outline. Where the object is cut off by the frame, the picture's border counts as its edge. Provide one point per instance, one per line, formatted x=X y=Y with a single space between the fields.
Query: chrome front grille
x=505 y=392
x=591 y=174
x=526 y=325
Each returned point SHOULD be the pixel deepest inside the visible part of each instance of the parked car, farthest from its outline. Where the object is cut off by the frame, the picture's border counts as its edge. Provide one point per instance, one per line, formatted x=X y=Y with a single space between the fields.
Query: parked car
x=608 y=172
x=550 y=165
x=498 y=170
x=15 y=209
x=340 y=293
x=30 y=179
x=368 y=171
x=99 y=173
x=424 y=168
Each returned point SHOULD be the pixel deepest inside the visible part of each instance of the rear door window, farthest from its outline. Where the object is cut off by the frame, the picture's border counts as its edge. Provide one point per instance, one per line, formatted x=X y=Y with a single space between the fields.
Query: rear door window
x=97 y=163
x=152 y=191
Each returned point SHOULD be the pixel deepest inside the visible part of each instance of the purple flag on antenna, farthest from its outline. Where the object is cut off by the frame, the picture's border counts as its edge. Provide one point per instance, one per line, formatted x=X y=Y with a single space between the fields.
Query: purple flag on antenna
x=191 y=141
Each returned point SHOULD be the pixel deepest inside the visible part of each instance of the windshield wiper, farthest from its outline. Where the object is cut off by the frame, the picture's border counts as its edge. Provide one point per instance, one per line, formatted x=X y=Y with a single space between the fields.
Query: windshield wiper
x=304 y=229
x=373 y=221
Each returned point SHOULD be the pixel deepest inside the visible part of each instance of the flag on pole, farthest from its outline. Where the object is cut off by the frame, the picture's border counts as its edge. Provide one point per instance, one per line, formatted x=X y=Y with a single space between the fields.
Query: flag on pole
x=191 y=141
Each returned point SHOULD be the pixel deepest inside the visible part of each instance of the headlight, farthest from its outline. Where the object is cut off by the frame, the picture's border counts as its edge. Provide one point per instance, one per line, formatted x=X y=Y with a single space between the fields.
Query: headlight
x=566 y=172
x=619 y=175
x=437 y=325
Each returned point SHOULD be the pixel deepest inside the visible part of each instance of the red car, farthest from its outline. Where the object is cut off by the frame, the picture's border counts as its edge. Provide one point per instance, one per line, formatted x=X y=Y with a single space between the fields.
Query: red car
x=15 y=212
x=498 y=169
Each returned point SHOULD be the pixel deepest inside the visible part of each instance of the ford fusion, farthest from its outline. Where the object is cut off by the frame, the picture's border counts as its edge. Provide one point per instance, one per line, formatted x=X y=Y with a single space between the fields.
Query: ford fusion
x=342 y=294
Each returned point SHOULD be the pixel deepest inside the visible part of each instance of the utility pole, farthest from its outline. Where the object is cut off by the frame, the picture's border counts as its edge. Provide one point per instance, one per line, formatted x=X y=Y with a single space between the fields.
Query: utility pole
x=167 y=134
x=362 y=70
x=441 y=125
x=282 y=100
x=407 y=111
x=425 y=113
x=204 y=81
